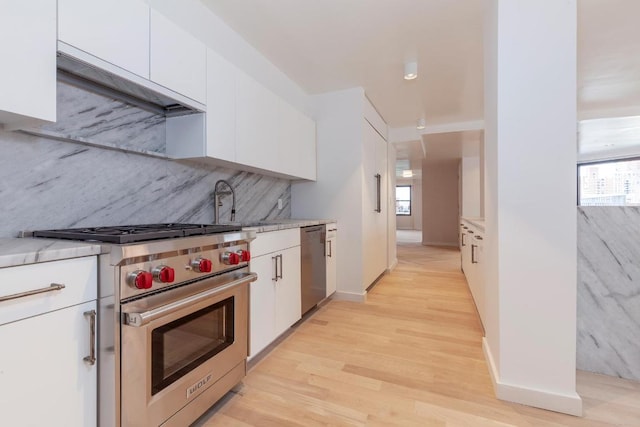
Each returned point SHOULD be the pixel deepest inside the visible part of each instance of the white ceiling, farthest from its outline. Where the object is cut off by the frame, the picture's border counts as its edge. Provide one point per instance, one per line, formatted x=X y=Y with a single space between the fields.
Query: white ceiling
x=608 y=138
x=334 y=44
x=337 y=44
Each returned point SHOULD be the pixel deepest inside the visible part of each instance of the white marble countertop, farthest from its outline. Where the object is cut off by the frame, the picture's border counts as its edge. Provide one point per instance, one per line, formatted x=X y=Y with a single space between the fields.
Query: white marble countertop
x=476 y=221
x=21 y=251
x=18 y=251
x=283 y=224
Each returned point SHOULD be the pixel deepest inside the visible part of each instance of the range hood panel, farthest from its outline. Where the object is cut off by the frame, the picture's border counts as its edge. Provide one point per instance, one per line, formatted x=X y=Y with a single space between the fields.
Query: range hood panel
x=89 y=77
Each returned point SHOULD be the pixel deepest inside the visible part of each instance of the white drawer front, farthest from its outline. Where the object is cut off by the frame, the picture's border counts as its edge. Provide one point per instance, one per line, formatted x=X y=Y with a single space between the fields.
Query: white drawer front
x=275 y=241
x=78 y=275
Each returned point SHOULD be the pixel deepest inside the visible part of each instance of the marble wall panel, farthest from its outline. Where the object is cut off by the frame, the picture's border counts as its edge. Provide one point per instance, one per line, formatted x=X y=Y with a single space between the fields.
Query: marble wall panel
x=47 y=183
x=608 y=339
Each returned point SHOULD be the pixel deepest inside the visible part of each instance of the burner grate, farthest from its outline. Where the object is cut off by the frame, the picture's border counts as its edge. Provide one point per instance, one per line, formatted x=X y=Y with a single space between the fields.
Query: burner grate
x=136 y=233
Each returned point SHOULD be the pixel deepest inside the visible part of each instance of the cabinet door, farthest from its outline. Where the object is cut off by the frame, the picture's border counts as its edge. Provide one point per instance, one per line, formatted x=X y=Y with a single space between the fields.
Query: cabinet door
x=465 y=249
x=374 y=223
x=296 y=142
x=116 y=31
x=477 y=278
x=44 y=380
x=256 y=124
x=332 y=278
x=178 y=60
x=262 y=305
x=288 y=292
x=221 y=108
x=28 y=73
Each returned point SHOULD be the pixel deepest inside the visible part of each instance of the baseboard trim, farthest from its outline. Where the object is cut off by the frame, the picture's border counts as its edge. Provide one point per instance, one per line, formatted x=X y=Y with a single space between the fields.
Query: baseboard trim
x=565 y=403
x=393 y=265
x=350 y=296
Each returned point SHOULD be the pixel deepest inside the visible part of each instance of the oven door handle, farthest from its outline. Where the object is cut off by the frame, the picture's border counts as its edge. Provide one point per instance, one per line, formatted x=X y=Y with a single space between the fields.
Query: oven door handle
x=141 y=319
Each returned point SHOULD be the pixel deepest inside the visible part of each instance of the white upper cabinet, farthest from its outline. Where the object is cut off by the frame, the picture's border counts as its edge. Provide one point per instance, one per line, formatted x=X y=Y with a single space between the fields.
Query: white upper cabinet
x=296 y=142
x=256 y=124
x=116 y=31
x=178 y=61
x=221 y=108
x=28 y=73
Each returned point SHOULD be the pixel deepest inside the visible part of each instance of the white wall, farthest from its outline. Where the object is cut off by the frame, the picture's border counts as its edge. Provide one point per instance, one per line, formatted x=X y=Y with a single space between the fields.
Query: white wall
x=530 y=190
x=440 y=208
x=339 y=136
x=470 y=187
x=201 y=22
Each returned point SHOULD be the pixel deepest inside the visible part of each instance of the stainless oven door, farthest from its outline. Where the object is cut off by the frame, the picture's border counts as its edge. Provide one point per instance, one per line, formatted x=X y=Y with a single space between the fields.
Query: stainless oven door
x=179 y=343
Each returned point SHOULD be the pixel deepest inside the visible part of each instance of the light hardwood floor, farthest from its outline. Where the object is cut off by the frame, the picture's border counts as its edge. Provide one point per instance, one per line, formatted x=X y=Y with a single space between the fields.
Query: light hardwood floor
x=410 y=356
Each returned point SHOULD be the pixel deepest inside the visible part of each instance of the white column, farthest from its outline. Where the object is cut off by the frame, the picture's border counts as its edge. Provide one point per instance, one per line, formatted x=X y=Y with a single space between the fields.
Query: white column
x=530 y=201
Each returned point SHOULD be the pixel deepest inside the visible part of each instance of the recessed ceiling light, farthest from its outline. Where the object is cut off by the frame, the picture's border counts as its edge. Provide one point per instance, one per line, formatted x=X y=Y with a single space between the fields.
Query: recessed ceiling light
x=422 y=123
x=410 y=70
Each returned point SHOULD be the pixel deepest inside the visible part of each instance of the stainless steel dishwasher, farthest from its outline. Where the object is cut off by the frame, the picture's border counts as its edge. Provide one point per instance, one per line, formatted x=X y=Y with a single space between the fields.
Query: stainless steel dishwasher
x=314 y=266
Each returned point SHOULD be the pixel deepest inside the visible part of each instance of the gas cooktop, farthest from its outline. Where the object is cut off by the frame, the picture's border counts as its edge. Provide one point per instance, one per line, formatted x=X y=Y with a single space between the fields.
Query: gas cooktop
x=136 y=233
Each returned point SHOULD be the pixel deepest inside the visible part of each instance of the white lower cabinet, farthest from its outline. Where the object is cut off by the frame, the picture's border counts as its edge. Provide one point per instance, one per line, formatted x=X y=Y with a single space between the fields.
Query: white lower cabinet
x=288 y=307
x=332 y=256
x=47 y=374
x=472 y=256
x=262 y=305
x=44 y=380
x=275 y=296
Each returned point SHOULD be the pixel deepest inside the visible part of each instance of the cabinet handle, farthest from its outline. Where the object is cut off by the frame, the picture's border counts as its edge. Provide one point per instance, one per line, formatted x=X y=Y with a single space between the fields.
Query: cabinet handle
x=463 y=244
x=52 y=287
x=91 y=358
x=330 y=251
x=275 y=268
x=473 y=254
x=478 y=237
x=378 y=207
x=277 y=276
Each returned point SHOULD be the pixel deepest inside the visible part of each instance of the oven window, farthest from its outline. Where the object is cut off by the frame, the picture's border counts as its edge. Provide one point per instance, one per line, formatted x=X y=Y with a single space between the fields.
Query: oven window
x=184 y=344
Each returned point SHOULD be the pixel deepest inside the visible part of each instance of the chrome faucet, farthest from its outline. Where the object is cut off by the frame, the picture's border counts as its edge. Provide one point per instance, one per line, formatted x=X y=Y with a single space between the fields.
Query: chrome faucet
x=217 y=200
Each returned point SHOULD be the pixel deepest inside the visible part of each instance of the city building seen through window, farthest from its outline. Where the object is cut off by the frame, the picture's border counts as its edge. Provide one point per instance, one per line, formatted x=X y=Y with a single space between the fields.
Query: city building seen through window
x=611 y=183
x=403 y=200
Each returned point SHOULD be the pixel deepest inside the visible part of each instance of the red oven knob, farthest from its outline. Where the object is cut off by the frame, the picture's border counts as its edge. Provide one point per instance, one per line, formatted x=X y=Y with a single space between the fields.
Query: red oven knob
x=140 y=279
x=164 y=274
x=230 y=258
x=202 y=265
x=245 y=256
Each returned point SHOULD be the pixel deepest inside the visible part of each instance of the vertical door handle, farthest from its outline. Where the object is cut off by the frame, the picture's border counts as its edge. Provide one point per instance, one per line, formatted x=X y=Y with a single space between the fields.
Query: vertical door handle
x=330 y=251
x=378 y=207
x=91 y=358
x=473 y=254
x=275 y=268
x=463 y=244
x=281 y=267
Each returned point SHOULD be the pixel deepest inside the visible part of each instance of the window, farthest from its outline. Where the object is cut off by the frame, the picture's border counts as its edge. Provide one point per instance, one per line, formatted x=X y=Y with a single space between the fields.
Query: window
x=403 y=200
x=611 y=183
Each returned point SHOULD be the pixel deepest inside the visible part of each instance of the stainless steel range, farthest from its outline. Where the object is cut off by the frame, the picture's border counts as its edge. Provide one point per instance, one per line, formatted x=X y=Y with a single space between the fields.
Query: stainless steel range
x=173 y=319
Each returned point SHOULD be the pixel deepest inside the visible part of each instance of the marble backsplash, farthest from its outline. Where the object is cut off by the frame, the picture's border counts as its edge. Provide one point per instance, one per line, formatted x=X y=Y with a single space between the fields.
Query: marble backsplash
x=48 y=183
x=608 y=338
